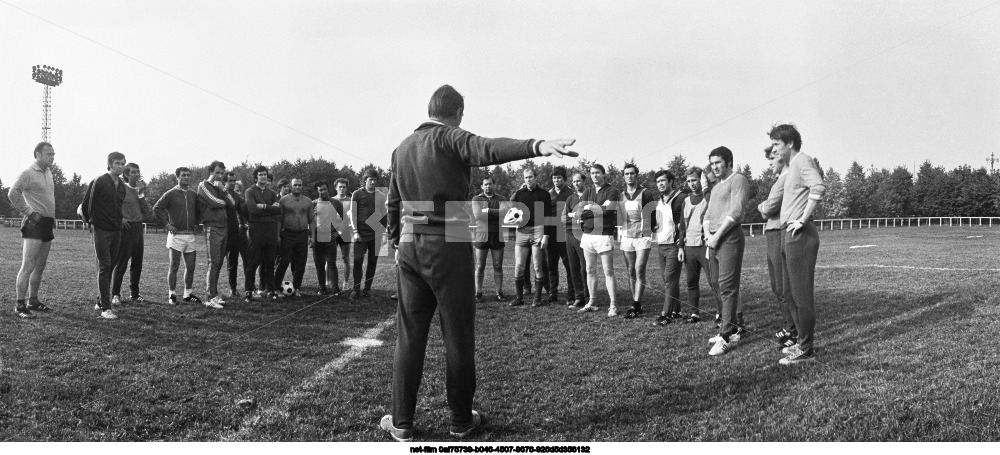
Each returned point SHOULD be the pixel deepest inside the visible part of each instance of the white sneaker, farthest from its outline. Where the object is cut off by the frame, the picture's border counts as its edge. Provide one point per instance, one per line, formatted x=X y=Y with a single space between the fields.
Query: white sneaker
x=97 y=306
x=721 y=347
x=214 y=303
x=732 y=338
x=587 y=308
x=109 y=314
x=116 y=300
x=612 y=312
x=792 y=351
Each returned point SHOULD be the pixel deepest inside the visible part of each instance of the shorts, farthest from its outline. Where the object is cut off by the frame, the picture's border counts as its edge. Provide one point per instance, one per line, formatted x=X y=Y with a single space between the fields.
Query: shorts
x=42 y=230
x=592 y=243
x=184 y=243
x=529 y=235
x=636 y=243
x=492 y=242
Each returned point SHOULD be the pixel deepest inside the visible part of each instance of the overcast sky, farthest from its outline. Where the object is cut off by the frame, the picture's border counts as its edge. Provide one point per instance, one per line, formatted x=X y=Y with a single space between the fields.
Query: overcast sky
x=171 y=83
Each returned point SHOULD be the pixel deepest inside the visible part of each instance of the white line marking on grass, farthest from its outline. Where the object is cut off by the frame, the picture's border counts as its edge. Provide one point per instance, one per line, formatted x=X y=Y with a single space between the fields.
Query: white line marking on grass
x=974 y=237
x=863 y=246
x=279 y=411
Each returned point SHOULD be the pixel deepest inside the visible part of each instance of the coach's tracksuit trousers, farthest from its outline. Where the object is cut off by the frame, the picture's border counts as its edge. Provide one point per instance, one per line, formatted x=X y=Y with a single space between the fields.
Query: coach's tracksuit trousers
x=236 y=249
x=215 y=243
x=106 y=245
x=294 y=250
x=432 y=280
x=577 y=274
x=726 y=262
x=131 y=249
x=776 y=271
x=694 y=263
x=800 y=250
x=262 y=250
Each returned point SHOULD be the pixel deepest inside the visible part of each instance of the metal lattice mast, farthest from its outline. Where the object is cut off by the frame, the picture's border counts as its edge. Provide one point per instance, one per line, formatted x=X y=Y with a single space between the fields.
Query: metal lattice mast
x=992 y=160
x=49 y=77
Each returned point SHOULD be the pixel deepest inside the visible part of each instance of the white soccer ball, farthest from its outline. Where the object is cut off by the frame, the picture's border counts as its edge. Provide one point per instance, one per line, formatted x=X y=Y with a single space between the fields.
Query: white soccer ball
x=513 y=216
x=287 y=288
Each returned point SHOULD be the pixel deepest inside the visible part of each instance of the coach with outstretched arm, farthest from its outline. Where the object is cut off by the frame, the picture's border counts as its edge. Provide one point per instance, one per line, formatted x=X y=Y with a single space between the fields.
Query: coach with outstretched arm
x=430 y=226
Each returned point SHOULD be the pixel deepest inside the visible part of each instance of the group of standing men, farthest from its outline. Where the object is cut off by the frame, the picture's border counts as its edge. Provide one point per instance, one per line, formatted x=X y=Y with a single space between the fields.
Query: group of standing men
x=269 y=231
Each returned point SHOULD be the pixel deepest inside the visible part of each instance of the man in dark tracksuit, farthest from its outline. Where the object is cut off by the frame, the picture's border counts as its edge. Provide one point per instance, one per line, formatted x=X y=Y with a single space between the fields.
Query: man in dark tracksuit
x=102 y=208
x=262 y=210
x=556 y=248
x=135 y=211
x=368 y=224
x=429 y=221
x=577 y=262
x=236 y=239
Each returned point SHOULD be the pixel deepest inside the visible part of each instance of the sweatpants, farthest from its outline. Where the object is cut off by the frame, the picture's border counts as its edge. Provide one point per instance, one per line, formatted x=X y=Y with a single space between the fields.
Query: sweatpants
x=215 y=243
x=776 y=271
x=236 y=250
x=694 y=263
x=433 y=282
x=577 y=270
x=106 y=244
x=262 y=250
x=726 y=262
x=294 y=250
x=130 y=250
x=670 y=267
x=362 y=249
x=556 y=251
x=800 y=251
x=325 y=253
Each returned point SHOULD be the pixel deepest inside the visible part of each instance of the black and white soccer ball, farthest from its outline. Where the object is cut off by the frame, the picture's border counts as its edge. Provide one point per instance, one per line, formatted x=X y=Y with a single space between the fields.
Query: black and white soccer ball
x=513 y=216
x=287 y=288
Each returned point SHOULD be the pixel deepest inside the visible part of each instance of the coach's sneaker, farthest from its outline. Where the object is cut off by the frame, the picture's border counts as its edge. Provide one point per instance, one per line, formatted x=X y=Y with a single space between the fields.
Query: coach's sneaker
x=399 y=434
x=23 y=312
x=191 y=298
x=172 y=299
x=800 y=357
x=478 y=420
x=722 y=347
x=109 y=314
x=588 y=308
x=116 y=300
x=355 y=295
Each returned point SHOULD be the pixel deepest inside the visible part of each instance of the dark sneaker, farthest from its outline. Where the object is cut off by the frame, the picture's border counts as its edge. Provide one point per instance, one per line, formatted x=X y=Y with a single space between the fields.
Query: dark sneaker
x=501 y=297
x=478 y=420
x=23 y=312
x=632 y=313
x=248 y=297
x=394 y=296
x=273 y=295
x=355 y=295
x=191 y=298
x=399 y=434
x=138 y=298
x=172 y=299
x=676 y=315
x=322 y=291
x=479 y=296
x=517 y=302
x=693 y=319
x=662 y=320
x=537 y=302
x=367 y=293
x=37 y=306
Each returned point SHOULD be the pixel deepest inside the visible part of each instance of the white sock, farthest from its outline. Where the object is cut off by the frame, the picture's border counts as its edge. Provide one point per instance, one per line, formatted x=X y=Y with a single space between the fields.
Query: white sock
x=187 y=293
x=172 y=292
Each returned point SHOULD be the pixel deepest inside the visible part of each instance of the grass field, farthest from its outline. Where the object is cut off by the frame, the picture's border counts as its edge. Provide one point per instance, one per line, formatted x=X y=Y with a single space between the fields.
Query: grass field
x=906 y=344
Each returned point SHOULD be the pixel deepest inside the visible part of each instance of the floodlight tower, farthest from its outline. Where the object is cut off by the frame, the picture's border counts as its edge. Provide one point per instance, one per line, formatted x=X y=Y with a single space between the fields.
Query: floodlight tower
x=49 y=77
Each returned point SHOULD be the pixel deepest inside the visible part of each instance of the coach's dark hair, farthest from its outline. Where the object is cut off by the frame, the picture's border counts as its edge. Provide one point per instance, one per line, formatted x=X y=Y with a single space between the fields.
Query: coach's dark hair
x=258 y=170
x=724 y=153
x=128 y=170
x=695 y=171
x=177 y=173
x=788 y=134
x=598 y=167
x=215 y=164
x=445 y=103
x=40 y=146
x=115 y=156
x=341 y=180
x=631 y=165
x=767 y=151
x=371 y=173
x=662 y=172
x=560 y=171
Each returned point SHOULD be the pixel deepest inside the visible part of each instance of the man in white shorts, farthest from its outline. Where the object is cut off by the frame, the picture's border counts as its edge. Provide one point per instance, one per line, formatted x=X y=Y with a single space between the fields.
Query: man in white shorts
x=636 y=205
x=599 y=214
x=178 y=209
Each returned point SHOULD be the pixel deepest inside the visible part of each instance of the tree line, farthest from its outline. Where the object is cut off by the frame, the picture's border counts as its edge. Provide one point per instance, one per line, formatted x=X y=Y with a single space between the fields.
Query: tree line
x=860 y=193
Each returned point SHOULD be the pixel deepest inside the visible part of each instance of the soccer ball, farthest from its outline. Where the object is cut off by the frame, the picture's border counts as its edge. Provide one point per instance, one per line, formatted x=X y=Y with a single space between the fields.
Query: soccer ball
x=513 y=216
x=287 y=288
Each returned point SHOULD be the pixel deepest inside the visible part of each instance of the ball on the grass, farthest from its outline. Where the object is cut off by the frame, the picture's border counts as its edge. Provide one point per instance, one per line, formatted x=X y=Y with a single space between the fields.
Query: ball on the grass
x=287 y=288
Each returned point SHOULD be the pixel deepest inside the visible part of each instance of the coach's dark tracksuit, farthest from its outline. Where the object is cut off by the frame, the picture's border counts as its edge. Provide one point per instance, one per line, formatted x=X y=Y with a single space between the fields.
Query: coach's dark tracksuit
x=429 y=222
x=135 y=210
x=236 y=239
x=556 y=248
x=102 y=208
x=263 y=233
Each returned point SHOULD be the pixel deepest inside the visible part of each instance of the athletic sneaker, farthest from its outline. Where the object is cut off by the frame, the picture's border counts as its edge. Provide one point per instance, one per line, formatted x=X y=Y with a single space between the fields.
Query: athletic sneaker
x=192 y=298
x=612 y=311
x=37 y=306
x=322 y=291
x=138 y=298
x=732 y=338
x=722 y=347
x=801 y=357
x=479 y=296
x=587 y=308
x=792 y=350
x=23 y=312
x=662 y=320
x=538 y=302
x=355 y=295
x=478 y=420
x=501 y=297
x=633 y=313
x=274 y=295
x=172 y=299
x=399 y=434
x=109 y=314
x=116 y=300
x=394 y=296
x=693 y=319
x=517 y=302
x=248 y=297
x=97 y=306
x=676 y=315
x=215 y=302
